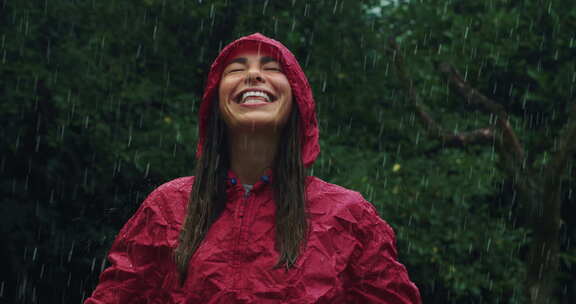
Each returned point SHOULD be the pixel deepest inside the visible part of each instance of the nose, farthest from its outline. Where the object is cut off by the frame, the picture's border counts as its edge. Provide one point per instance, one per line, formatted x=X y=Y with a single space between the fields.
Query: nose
x=254 y=76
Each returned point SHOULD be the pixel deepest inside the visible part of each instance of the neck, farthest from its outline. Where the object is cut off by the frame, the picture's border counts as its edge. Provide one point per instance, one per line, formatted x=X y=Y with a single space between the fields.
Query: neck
x=251 y=154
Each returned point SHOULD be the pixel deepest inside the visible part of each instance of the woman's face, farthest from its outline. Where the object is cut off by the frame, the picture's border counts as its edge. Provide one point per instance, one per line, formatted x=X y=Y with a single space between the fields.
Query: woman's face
x=254 y=93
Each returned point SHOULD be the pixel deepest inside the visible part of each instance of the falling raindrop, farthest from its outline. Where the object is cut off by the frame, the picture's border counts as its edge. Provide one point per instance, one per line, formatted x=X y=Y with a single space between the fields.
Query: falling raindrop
x=93 y=264
x=102 y=264
x=62 y=131
x=130 y=129
x=71 y=251
x=212 y=12
x=155 y=31
x=147 y=171
x=42 y=271
x=138 y=51
x=264 y=7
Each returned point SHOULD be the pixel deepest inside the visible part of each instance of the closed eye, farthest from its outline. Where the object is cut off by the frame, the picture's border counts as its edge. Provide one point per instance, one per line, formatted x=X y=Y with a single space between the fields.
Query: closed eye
x=273 y=69
x=234 y=70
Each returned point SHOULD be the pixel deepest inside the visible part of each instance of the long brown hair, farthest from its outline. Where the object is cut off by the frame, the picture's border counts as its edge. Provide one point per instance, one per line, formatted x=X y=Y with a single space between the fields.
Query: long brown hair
x=208 y=195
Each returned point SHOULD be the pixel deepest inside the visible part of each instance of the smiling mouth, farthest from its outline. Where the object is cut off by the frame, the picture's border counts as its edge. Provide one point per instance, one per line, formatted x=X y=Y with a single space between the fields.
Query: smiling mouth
x=254 y=97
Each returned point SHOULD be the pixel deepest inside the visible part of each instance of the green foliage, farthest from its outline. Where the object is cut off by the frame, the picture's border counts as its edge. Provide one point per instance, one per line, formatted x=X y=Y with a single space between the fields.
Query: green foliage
x=520 y=54
x=100 y=101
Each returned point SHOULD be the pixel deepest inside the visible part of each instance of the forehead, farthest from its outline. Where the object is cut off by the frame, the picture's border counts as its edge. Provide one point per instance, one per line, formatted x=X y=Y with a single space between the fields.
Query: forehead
x=253 y=51
x=248 y=58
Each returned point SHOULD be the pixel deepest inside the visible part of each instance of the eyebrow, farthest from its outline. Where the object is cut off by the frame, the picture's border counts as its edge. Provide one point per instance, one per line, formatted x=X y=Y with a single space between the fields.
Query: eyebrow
x=263 y=60
x=266 y=59
x=241 y=60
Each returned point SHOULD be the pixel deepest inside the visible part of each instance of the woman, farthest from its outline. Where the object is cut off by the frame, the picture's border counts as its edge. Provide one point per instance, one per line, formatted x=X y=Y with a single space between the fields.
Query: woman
x=251 y=226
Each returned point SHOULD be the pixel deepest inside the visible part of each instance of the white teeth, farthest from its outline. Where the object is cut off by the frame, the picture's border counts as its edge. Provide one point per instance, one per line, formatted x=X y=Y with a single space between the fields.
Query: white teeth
x=254 y=94
x=252 y=101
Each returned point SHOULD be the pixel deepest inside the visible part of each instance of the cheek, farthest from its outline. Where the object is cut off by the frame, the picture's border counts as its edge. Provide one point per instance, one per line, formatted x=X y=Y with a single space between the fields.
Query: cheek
x=226 y=86
x=224 y=109
x=222 y=90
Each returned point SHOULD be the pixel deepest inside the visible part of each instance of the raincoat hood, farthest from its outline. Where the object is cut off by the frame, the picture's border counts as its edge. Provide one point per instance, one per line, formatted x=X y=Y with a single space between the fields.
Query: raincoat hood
x=301 y=91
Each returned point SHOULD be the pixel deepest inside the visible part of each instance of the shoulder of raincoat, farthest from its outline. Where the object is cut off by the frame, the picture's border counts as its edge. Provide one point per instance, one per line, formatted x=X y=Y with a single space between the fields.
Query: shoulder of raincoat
x=349 y=257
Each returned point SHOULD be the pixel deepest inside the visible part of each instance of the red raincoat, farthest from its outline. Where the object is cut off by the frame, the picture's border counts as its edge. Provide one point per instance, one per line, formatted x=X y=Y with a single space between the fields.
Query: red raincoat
x=350 y=256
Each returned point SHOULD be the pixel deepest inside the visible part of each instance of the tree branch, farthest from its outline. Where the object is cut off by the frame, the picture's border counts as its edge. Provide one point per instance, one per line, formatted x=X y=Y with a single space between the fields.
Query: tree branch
x=479 y=136
x=474 y=96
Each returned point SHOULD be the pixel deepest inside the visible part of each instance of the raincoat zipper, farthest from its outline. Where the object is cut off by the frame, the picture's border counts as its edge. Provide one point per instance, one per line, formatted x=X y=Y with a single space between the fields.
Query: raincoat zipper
x=239 y=241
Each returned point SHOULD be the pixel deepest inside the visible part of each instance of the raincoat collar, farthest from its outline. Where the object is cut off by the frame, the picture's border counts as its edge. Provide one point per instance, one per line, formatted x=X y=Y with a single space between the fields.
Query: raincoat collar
x=301 y=91
x=233 y=180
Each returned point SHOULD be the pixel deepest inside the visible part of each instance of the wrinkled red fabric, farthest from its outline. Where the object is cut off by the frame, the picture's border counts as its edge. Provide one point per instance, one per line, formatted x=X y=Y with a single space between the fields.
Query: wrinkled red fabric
x=349 y=257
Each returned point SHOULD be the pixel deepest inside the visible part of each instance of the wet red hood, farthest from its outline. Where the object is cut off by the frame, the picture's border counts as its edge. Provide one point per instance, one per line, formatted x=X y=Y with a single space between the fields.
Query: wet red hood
x=300 y=90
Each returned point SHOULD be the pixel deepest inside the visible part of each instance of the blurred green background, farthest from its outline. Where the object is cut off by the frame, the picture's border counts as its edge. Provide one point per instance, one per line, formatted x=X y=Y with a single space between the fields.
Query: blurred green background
x=99 y=100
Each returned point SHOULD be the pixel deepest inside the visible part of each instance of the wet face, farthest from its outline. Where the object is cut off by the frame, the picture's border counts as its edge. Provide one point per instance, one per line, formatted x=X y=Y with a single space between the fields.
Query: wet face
x=254 y=93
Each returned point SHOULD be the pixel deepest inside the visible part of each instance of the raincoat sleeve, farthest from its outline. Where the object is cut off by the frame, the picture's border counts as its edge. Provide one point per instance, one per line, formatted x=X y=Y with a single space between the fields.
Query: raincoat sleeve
x=376 y=274
x=138 y=259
